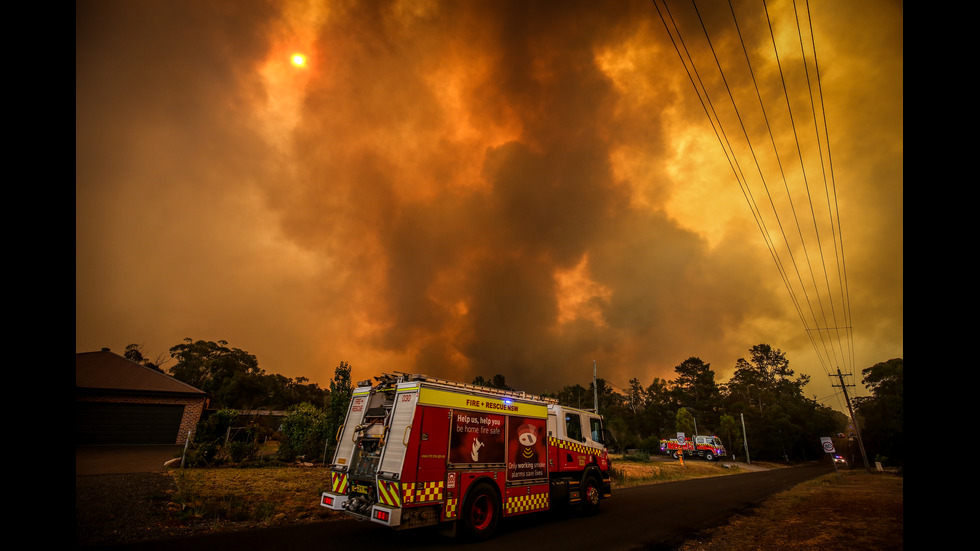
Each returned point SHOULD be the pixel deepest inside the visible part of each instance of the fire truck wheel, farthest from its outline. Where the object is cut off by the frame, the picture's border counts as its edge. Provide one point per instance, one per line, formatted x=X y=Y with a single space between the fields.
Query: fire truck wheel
x=481 y=512
x=674 y=455
x=591 y=493
x=709 y=456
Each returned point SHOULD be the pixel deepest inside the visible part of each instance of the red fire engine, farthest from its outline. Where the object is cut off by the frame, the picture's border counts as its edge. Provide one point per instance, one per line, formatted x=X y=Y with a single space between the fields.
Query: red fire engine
x=707 y=447
x=419 y=451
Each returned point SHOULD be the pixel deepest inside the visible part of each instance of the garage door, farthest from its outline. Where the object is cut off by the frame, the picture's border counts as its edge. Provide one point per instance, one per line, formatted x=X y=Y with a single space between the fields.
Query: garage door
x=97 y=423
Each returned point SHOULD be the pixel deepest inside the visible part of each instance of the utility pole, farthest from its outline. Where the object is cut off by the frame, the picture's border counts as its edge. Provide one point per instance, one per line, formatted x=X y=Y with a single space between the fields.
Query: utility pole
x=745 y=440
x=857 y=430
x=595 y=389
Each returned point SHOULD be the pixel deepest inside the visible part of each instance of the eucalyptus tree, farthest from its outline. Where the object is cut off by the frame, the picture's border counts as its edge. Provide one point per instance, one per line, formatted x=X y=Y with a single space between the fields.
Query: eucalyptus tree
x=695 y=388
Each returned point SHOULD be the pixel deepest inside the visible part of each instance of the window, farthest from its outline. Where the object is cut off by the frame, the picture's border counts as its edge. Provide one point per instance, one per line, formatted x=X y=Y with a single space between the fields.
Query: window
x=596 y=427
x=573 y=427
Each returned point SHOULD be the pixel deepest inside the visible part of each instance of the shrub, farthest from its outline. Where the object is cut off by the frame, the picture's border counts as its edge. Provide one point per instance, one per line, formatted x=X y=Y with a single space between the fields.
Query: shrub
x=209 y=438
x=650 y=444
x=243 y=451
x=304 y=431
x=638 y=456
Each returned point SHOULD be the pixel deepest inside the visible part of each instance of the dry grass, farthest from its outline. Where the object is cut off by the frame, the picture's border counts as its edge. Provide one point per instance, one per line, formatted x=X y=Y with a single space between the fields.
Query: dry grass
x=851 y=510
x=252 y=497
x=629 y=473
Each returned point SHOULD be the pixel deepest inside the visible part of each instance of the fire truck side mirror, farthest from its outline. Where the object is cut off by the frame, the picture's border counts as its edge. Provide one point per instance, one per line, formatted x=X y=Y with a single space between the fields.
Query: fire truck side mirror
x=607 y=437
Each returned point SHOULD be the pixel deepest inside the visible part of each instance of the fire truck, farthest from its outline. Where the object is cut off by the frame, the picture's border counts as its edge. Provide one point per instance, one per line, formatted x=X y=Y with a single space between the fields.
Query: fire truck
x=420 y=451
x=706 y=447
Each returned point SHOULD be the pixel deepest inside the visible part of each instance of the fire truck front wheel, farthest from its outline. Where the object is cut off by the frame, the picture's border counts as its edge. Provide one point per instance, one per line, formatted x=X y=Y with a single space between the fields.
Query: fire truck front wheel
x=591 y=494
x=481 y=512
x=709 y=456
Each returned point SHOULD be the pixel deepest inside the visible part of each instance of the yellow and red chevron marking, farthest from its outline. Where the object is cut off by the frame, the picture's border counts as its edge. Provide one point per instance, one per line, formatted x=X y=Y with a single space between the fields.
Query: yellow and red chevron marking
x=573 y=446
x=451 y=508
x=338 y=483
x=526 y=503
x=429 y=491
x=389 y=493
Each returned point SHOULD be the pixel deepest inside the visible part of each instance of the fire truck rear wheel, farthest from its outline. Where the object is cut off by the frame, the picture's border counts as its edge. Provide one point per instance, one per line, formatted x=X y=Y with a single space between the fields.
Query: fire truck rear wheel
x=481 y=512
x=591 y=494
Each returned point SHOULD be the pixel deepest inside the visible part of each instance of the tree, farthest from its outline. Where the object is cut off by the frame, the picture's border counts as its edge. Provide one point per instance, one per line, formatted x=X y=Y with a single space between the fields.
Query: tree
x=576 y=396
x=134 y=353
x=635 y=397
x=498 y=381
x=608 y=398
x=765 y=377
x=341 y=390
x=781 y=422
x=658 y=413
x=772 y=363
x=684 y=422
x=282 y=392
x=695 y=388
x=232 y=377
x=730 y=433
x=883 y=412
x=222 y=372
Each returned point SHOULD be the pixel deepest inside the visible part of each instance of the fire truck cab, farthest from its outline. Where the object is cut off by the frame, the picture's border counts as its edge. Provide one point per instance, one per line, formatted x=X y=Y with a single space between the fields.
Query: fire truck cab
x=420 y=451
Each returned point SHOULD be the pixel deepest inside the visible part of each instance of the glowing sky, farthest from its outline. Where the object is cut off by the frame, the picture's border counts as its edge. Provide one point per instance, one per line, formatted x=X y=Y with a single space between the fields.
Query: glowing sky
x=468 y=188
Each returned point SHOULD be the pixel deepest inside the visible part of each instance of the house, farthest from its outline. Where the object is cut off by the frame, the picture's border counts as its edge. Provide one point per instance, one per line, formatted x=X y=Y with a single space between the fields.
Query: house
x=118 y=401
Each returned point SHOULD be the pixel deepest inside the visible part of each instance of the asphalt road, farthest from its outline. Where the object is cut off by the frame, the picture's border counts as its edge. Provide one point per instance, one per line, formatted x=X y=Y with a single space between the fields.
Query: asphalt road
x=656 y=517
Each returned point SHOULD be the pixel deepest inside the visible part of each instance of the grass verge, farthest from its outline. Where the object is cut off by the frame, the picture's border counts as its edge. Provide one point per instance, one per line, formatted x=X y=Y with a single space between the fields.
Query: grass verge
x=849 y=510
x=638 y=473
x=251 y=496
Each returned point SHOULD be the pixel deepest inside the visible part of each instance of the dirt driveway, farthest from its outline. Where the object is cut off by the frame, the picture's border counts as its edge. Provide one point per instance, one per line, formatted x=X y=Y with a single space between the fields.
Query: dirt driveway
x=123 y=459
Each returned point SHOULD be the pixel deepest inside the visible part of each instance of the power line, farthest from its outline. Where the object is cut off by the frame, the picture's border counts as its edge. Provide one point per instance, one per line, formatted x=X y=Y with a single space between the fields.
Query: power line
x=830 y=351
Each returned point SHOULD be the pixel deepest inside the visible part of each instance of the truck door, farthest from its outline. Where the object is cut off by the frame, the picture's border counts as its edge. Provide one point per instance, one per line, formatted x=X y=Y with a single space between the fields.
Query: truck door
x=433 y=444
x=594 y=435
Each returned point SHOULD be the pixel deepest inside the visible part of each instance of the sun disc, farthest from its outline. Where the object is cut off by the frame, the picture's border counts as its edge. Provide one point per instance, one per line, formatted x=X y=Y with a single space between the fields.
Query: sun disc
x=299 y=60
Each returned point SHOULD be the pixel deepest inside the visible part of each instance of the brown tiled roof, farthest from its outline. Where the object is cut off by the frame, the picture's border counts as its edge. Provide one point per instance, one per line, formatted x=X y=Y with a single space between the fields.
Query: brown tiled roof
x=106 y=370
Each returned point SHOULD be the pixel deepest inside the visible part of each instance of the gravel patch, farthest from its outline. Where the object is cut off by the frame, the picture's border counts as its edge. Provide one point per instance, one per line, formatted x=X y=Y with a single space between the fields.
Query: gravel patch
x=121 y=508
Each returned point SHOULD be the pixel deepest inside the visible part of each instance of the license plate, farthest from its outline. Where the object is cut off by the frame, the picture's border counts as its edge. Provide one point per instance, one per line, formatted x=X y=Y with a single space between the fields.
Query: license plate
x=361 y=489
